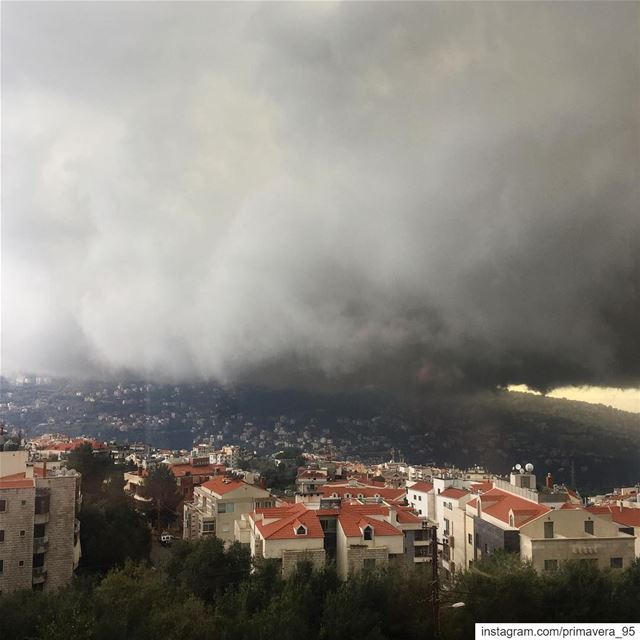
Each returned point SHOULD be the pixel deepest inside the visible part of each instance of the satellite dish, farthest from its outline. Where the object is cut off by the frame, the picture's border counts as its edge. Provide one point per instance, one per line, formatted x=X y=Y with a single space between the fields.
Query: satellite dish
x=528 y=467
x=518 y=467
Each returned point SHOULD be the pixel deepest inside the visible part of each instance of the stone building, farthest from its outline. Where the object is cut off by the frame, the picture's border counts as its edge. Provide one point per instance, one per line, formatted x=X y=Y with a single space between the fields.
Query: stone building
x=39 y=529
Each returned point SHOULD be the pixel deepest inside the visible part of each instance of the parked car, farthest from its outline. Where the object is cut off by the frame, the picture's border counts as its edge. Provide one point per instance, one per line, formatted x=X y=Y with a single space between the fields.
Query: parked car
x=166 y=538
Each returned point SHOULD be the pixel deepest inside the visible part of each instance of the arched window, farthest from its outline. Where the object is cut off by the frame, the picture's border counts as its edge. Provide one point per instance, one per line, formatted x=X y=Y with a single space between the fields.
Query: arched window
x=367 y=533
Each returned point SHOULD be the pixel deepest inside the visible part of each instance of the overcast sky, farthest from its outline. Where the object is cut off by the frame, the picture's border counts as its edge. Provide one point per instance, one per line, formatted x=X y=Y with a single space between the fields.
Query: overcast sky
x=442 y=195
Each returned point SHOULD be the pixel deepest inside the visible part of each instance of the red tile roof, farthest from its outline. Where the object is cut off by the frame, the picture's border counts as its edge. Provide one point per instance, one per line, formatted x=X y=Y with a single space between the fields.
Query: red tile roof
x=481 y=487
x=499 y=503
x=222 y=485
x=407 y=516
x=423 y=487
x=288 y=521
x=452 y=492
x=353 y=522
x=310 y=473
x=627 y=516
x=179 y=470
x=24 y=483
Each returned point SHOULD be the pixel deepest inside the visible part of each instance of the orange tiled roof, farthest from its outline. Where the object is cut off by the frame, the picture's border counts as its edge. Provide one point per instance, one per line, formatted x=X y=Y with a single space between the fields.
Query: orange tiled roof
x=452 y=492
x=627 y=516
x=16 y=483
x=222 y=485
x=423 y=487
x=179 y=470
x=353 y=522
x=288 y=521
x=481 y=487
x=499 y=503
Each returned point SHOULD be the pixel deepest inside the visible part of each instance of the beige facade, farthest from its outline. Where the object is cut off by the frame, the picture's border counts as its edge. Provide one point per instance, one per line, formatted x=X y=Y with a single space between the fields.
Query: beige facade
x=39 y=530
x=217 y=506
x=354 y=553
x=566 y=539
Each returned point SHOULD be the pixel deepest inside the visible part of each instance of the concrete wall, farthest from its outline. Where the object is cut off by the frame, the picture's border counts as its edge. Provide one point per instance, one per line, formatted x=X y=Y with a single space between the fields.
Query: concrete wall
x=356 y=555
x=490 y=538
x=12 y=462
x=570 y=524
x=276 y=548
x=600 y=550
x=291 y=558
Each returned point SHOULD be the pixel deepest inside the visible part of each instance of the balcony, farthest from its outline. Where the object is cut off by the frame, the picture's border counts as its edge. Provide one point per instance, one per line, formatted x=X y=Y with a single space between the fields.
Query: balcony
x=40 y=545
x=41 y=518
x=39 y=574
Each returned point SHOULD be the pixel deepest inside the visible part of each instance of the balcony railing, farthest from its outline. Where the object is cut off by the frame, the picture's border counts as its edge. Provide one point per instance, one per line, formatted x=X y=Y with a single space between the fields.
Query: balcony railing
x=40 y=544
x=41 y=518
x=39 y=574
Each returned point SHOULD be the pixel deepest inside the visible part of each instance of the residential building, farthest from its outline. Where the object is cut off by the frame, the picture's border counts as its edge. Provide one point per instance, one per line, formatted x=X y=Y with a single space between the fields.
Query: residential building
x=626 y=518
x=354 y=533
x=544 y=536
x=421 y=498
x=218 y=503
x=39 y=529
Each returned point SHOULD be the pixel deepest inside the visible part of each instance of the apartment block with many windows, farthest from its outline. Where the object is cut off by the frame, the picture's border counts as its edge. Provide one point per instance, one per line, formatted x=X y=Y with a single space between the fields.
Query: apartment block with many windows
x=39 y=529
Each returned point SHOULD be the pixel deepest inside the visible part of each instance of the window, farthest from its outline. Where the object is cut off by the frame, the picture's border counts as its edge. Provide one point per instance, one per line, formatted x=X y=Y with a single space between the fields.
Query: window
x=301 y=530
x=3 y=506
x=21 y=563
x=1 y=535
x=548 y=529
x=225 y=507
x=367 y=533
x=24 y=502
x=616 y=563
x=369 y=563
x=550 y=565
x=414 y=496
x=208 y=527
x=39 y=531
x=420 y=498
x=446 y=527
x=22 y=533
x=588 y=526
x=1 y=566
x=470 y=538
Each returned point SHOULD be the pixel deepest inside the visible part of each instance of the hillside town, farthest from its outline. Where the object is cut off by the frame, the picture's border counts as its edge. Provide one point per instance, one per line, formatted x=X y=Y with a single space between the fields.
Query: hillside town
x=353 y=515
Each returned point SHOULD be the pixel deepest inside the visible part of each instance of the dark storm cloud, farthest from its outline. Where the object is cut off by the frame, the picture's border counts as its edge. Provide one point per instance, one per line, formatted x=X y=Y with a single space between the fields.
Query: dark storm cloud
x=439 y=194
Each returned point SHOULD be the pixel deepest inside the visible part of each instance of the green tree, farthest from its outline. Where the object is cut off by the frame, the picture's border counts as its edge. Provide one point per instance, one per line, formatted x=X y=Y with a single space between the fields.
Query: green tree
x=94 y=467
x=206 y=568
x=111 y=532
x=161 y=486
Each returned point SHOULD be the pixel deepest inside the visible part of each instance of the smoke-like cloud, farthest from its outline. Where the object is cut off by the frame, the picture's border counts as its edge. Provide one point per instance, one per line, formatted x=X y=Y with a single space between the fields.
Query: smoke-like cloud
x=392 y=193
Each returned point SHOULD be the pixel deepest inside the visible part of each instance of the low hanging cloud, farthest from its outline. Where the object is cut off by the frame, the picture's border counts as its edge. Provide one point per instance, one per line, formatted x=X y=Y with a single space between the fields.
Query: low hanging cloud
x=439 y=194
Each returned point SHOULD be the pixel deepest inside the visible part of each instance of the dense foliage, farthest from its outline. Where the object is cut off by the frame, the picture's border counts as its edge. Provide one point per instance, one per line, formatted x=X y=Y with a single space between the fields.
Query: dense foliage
x=209 y=593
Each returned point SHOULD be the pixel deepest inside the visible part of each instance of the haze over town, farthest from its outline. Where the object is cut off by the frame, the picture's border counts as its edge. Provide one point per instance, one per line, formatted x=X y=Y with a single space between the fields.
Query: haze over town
x=439 y=196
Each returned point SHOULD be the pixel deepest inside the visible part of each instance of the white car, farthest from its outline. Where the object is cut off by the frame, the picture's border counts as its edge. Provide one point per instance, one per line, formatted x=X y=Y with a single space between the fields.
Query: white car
x=166 y=538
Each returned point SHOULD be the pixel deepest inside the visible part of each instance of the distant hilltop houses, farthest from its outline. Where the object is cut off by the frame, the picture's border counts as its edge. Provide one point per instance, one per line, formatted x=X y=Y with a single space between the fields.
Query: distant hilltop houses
x=349 y=513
